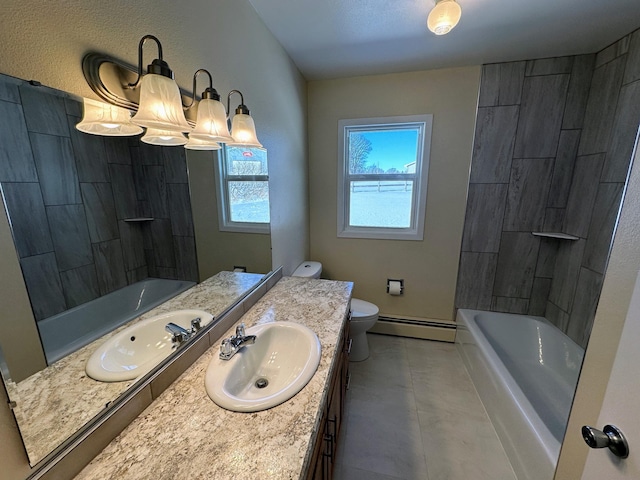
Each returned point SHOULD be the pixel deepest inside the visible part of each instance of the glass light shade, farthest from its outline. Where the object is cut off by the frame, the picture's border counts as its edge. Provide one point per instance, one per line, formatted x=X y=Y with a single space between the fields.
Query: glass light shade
x=160 y=105
x=211 y=122
x=243 y=131
x=100 y=118
x=444 y=16
x=198 y=144
x=164 y=138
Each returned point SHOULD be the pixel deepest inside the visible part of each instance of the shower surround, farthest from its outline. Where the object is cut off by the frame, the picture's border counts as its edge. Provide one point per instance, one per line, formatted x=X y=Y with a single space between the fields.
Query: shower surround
x=552 y=148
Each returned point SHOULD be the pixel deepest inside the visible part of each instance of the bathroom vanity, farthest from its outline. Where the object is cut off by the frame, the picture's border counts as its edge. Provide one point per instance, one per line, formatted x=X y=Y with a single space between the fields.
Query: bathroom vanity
x=183 y=434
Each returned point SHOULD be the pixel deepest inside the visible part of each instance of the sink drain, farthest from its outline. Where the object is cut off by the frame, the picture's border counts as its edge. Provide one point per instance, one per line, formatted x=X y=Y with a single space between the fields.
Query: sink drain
x=262 y=382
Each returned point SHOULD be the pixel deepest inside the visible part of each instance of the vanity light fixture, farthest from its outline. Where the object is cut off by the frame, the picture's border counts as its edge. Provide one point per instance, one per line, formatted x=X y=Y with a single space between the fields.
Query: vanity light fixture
x=444 y=16
x=196 y=144
x=160 y=103
x=243 y=129
x=164 y=138
x=99 y=118
x=211 y=120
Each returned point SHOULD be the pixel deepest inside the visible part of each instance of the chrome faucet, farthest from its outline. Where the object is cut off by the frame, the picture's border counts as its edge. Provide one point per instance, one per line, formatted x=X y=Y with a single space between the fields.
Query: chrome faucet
x=179 y=335
x=230 y=346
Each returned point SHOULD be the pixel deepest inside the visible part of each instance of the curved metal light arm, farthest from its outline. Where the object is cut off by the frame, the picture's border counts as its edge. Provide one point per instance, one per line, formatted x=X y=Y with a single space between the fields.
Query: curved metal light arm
x=208 y=92
x=242 y=108
x=142 y=41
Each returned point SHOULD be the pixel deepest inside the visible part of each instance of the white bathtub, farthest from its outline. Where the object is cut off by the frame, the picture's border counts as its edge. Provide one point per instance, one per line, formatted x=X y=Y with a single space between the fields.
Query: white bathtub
x=68 y=331
x=525 y=371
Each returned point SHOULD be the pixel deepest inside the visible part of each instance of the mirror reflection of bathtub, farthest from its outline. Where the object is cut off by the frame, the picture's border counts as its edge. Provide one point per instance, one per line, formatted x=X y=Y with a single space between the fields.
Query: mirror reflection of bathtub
x=525 y=370
x=68 y=331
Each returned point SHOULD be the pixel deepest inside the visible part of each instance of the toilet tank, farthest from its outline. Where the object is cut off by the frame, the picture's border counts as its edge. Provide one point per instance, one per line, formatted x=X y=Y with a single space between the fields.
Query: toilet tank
x=308 y=269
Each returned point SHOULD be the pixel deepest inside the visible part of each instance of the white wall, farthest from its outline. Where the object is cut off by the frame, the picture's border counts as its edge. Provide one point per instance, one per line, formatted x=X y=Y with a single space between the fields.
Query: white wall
x=429 y=267
x=46 y=42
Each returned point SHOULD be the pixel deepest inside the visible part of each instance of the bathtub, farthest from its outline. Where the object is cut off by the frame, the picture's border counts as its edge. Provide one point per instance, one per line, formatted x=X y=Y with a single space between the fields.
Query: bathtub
x=68 y=331
x=525 y=371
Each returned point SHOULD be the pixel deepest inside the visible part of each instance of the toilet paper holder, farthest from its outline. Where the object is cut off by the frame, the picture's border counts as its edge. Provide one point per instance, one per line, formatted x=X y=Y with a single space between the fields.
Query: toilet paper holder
x=394 y=282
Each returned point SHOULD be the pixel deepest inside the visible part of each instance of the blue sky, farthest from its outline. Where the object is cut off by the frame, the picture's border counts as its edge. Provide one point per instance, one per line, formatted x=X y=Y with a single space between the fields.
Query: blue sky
x=391 y=148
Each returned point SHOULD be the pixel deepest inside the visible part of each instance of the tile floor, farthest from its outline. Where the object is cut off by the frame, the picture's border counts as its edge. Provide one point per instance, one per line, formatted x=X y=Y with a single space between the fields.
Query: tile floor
x=412 y=413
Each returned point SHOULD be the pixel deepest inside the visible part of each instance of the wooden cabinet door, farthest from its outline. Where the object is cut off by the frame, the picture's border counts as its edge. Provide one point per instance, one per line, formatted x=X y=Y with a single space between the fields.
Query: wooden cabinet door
x=334 y=415
x=326 y=443
x=317 y=464
x=346 y=375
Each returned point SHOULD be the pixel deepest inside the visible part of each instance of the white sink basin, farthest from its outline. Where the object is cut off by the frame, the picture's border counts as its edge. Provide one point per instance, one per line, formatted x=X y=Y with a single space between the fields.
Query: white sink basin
x=285 y=354
x=137 y=349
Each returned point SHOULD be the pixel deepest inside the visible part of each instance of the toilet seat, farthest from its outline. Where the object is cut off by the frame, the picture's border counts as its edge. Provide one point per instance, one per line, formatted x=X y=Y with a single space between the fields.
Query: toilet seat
x=361 y=310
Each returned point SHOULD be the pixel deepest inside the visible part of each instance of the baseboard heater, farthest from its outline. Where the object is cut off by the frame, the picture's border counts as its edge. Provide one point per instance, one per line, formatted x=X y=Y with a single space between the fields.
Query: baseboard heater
x=440 y=330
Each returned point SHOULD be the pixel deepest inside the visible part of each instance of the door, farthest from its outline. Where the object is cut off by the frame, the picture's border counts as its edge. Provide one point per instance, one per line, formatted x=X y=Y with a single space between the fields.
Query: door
x=609 y=348
x=621 y=405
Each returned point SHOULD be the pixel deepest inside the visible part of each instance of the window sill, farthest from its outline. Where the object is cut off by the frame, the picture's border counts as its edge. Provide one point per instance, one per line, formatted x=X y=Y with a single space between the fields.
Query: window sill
x=261 y=229
x=378 y=234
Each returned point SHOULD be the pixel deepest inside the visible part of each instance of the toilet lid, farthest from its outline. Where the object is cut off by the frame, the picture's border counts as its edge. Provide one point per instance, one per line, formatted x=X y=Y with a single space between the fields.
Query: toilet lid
x=308 y=269
x=360 y=308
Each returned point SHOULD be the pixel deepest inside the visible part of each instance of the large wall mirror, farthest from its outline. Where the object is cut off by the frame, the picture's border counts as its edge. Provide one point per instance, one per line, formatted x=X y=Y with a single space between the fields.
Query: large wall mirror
x=92 y=217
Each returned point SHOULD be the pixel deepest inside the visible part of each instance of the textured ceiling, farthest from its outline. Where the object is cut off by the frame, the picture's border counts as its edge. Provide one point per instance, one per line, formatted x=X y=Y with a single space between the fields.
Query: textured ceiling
x=338 y=38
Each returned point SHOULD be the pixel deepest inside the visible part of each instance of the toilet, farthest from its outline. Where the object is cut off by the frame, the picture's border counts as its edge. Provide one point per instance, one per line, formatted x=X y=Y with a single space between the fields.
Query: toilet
x=363 y=314
x=308 y=269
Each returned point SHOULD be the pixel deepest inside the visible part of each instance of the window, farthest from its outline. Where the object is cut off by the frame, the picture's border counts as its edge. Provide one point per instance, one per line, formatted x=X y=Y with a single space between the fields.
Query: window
x=243 y=190
x=382 y=177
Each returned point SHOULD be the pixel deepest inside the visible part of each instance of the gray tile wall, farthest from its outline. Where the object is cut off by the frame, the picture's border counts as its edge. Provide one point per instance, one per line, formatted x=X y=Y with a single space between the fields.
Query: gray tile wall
x=67 y=195
x=553 y=143
x=523 y=160
x=612 y=117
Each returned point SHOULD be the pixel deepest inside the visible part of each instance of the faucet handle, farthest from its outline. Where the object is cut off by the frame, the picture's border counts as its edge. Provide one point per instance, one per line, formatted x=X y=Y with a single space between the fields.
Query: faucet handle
x=240 y=330
x=226 y=348
x=195 y=324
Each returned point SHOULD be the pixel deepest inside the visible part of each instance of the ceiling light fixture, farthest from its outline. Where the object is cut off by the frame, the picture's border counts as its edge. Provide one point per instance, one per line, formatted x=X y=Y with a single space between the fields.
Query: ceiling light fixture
x=158 y=105
x=444 y=16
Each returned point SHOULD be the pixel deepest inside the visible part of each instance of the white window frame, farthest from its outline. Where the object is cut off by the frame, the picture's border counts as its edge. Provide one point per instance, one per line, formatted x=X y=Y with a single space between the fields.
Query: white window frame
x=225 y=224
x=420 y=177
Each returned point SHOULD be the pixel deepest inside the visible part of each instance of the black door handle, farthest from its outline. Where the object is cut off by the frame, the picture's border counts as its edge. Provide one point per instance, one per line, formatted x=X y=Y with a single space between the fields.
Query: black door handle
x=610 y=437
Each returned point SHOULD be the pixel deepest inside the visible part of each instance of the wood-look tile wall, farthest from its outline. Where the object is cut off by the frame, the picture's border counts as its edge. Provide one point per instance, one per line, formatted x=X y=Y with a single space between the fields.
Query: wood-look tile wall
x=68 y=194
x=553 y=143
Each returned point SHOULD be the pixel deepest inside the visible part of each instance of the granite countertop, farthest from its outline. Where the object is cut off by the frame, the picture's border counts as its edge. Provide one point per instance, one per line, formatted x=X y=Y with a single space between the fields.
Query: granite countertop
x=55 y=402
x=183 y=434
